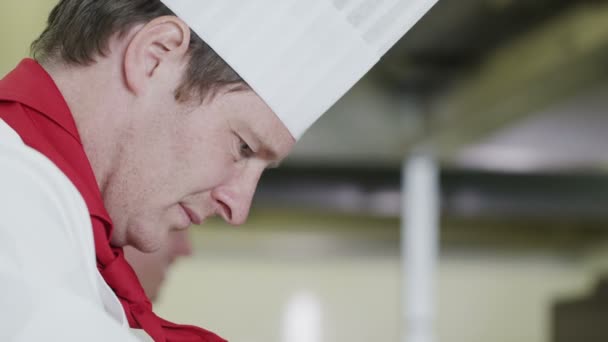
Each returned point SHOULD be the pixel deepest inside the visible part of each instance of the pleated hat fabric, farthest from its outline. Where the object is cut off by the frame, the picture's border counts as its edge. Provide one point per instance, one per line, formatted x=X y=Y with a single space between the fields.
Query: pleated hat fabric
x=300 y=56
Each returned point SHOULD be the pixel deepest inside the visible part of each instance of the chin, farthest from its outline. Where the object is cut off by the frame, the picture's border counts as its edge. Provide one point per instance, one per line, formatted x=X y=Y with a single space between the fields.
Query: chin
x=117 y=240
x=146 y=238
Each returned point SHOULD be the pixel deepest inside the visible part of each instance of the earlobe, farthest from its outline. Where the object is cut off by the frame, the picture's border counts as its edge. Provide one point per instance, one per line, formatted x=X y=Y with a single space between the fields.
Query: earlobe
x=163 y=42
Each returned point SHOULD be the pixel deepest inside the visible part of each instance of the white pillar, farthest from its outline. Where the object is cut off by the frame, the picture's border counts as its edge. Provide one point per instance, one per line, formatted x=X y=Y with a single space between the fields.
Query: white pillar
x=419 y=245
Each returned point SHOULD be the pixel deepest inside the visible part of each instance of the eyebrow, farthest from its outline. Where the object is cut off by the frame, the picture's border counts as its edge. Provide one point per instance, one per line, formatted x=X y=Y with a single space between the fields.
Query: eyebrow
x=268 y=153
x=263 y=149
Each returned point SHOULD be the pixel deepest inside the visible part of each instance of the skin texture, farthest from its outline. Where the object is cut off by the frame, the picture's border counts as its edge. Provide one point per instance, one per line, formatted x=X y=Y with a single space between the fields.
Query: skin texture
x=152 y=268
x=161 y=164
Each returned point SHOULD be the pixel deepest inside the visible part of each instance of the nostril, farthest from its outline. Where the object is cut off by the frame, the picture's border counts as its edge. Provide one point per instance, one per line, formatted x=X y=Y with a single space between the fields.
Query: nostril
x=225 y=211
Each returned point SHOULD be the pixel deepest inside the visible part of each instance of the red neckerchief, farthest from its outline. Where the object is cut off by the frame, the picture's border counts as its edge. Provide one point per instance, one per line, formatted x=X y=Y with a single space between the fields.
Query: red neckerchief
x=32 y=105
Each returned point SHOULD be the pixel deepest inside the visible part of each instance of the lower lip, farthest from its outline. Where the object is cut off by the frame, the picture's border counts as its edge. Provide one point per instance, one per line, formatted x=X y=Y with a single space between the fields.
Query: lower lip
x=194 y=219
x=186 y=222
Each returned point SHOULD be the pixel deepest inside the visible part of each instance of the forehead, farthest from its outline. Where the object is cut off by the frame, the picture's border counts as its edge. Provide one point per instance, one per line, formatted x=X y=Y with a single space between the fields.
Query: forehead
x=249 y=115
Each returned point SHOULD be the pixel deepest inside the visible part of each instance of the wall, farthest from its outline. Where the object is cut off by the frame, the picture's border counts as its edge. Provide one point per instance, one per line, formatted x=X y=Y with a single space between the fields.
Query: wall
x=20 y=23
x=239 y=284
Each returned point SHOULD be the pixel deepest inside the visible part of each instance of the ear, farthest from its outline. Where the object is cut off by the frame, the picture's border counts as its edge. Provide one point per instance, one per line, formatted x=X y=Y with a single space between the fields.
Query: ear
x=161 y=43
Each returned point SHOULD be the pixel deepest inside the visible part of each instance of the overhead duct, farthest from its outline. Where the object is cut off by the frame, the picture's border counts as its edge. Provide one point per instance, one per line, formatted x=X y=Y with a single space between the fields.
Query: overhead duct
x=464 y=194
x=559 y=59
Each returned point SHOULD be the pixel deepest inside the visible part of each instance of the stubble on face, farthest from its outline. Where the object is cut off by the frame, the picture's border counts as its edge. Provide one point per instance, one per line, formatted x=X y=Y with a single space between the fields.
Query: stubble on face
x=179 y=154
x=136 y=194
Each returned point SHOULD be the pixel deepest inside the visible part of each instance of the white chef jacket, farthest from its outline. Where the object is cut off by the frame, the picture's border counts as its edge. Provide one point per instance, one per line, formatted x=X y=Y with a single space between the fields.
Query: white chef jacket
x=50 y=288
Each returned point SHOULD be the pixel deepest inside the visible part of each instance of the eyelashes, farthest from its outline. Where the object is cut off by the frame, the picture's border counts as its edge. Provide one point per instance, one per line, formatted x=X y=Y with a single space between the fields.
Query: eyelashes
x=244 y=150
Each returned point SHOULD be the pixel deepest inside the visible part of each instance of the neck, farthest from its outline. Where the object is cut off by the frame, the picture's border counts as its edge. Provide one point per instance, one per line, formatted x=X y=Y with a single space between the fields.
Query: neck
x=90 y=94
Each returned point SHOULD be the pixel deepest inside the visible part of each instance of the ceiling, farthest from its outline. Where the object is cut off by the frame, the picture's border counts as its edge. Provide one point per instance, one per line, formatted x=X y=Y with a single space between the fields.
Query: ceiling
x=479 y=80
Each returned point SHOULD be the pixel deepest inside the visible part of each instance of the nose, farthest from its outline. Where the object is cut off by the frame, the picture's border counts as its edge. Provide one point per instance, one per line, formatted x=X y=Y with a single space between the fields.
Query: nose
x=234 y=197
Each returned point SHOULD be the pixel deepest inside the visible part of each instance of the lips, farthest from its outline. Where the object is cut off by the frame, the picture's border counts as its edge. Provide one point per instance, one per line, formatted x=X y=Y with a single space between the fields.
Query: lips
x=194 y=218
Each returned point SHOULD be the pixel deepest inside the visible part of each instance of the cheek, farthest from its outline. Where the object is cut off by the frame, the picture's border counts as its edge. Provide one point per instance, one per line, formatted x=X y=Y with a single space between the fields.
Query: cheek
x=202 y=165
x=207 y=174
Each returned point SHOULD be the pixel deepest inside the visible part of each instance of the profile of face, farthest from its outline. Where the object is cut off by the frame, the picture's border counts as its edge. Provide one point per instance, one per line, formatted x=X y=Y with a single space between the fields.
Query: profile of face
x=181 y=163
x=152 y=268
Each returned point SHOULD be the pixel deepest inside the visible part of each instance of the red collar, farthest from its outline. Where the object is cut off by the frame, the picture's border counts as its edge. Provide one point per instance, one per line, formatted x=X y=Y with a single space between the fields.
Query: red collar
x=30 y=85
x=30 y=78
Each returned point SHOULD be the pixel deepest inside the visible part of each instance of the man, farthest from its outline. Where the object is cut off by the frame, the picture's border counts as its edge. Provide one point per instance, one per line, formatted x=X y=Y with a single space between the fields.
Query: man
x=152 y=268
x=130 y=112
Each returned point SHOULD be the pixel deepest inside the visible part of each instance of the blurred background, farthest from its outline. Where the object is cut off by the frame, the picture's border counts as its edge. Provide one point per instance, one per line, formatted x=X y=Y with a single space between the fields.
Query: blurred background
x=502 y=105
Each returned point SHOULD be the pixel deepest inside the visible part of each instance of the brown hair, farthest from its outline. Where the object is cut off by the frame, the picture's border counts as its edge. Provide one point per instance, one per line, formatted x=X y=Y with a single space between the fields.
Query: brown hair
x=79 y=30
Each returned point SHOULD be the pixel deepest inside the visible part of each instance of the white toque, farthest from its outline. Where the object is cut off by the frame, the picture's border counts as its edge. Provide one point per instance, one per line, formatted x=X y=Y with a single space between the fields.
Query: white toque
x=300 y=56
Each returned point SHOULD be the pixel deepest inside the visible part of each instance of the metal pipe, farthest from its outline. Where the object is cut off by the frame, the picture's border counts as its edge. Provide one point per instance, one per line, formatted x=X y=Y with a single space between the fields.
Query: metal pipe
x=419 y=245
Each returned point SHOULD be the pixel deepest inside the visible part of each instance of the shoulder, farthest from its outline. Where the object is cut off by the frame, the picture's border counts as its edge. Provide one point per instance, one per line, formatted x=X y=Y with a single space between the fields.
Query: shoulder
x=47 y=255
x=45 y=230
x=36 y=190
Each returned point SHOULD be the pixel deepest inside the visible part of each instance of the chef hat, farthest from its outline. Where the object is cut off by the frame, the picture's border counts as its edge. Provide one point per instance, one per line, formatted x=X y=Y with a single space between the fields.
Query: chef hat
x=300 y=56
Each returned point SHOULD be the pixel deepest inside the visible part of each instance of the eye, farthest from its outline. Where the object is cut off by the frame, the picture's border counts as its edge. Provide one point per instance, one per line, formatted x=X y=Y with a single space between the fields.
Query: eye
x=244 y=150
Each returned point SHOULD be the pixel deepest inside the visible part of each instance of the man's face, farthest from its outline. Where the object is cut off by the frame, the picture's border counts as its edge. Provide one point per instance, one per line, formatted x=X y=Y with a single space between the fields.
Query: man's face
x=182 y=163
